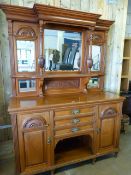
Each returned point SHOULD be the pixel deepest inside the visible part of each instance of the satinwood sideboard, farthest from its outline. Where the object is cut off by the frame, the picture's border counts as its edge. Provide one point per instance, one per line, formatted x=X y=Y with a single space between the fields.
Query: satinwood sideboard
x=59 y=111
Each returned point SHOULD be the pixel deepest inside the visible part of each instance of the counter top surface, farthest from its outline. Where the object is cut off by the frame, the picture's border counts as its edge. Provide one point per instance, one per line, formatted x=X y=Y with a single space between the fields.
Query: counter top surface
x=32 y=103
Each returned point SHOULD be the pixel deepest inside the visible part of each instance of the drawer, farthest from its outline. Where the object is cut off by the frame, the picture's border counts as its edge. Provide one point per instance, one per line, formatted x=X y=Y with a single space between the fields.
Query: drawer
x=74 y=121
x=68 y=120
x=71 y=130
x=75 y=111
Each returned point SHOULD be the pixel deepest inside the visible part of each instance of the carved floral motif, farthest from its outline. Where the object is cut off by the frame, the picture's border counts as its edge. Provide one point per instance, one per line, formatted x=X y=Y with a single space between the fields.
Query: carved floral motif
x=34 y=123
x=62 y=84
x=97 y=38
x=27 y=32
x=109 y=112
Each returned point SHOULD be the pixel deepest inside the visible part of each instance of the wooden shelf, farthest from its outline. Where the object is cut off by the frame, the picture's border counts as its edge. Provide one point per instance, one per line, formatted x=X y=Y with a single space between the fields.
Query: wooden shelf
x=128 y=38
x=126 y=58
x=124 y=76
x=72 y=75
x=126 y=65
x=62 y=75
x=72 y=155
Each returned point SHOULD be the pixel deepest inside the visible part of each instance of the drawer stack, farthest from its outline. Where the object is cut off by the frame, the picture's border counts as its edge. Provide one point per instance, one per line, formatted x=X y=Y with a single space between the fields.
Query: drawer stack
x=74 y=121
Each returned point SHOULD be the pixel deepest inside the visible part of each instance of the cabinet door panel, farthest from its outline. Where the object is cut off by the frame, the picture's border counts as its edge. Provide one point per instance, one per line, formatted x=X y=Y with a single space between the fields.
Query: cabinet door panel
x=35 y=147
x=33 y=131
x=109 y=119
x=107 y=132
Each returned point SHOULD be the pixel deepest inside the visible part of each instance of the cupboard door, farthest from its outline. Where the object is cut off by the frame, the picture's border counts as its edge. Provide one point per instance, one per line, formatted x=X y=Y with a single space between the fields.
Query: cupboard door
x=34 y=142
x=107 y=132
x=109 y=122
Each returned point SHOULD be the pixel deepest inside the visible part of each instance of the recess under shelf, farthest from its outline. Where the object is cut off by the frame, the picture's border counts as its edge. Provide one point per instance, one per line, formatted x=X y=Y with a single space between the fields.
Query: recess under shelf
x=72 y=149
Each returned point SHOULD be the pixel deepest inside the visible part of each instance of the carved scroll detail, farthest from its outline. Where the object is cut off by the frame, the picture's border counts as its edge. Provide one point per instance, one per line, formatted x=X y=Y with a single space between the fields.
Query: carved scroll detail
x=97 y=39
x=27 y=32
x=109 y=112
x=62 y=84
x=34 y=123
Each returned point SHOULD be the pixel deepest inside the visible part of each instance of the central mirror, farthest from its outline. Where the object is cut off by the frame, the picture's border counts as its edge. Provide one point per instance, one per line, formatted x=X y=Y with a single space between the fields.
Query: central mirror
x=62 y=50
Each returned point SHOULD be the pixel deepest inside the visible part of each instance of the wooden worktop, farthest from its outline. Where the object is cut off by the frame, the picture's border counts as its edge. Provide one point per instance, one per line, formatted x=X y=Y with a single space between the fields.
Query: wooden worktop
x=32 y=103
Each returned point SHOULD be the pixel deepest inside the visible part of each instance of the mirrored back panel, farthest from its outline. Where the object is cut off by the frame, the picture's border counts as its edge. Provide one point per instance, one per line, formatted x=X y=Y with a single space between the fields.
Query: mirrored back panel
x=27 y=85
x=96 y=57
x=94 y=82
x=62 y=50
x=26 y=61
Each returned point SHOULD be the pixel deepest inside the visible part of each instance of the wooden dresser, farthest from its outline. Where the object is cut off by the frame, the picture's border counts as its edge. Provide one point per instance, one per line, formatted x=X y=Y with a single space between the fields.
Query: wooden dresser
x=59 y=111
x=51 y=132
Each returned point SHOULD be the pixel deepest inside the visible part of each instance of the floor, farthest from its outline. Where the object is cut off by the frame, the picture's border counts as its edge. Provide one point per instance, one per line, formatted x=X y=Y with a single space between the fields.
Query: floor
x=108 y=165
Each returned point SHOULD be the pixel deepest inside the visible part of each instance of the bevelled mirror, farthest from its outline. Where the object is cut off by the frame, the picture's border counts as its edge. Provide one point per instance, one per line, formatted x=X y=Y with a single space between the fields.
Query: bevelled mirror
x=96 y=57
x=26 y=61
x=62 y=50
x=93 y=83
x=27 y=85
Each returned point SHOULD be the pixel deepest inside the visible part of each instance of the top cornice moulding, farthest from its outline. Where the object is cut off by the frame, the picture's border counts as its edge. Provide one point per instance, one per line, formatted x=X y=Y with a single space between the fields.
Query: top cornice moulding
x=47 y=9
x=51 y=14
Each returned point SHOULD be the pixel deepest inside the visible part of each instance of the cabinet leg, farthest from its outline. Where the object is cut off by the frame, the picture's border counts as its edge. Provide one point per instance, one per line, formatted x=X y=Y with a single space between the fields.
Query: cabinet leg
x=116 y=154
x=93 y=161
x=52 y=172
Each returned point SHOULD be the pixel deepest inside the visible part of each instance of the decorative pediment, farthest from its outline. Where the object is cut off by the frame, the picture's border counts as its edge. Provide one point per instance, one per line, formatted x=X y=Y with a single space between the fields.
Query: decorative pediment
x=26 y=32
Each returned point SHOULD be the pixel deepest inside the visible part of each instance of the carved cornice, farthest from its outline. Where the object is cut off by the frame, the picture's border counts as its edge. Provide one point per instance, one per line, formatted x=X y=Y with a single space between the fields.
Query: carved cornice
x=103 y=24
x=51 y=14
x=18 y=13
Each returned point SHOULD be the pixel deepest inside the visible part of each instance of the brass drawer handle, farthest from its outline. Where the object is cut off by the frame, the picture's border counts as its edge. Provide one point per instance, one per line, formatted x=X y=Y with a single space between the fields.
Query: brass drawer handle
x=75 y=129
x=76 y=111
x=98 y=130
x=49 y=140
x=46 y=125
x=75 y=120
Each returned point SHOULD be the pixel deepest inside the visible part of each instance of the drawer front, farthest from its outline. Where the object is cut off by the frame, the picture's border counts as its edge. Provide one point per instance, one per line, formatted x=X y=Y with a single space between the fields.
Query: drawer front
x=74 y=121
x=76 y=129
x=74 y=111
